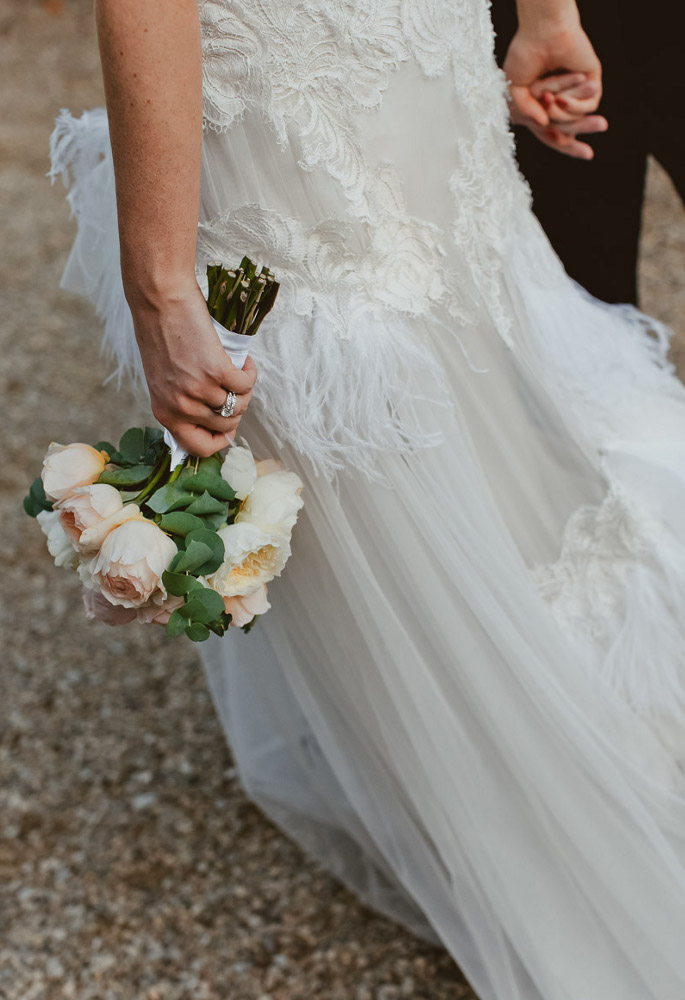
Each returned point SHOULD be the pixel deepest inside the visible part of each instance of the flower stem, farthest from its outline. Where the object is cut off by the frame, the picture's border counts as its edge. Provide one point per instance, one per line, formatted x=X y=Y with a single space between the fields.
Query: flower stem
x=163 y=464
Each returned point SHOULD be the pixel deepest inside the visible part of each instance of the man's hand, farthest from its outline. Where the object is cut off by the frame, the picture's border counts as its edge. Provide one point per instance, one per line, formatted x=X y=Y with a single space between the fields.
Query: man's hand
x=555 y=86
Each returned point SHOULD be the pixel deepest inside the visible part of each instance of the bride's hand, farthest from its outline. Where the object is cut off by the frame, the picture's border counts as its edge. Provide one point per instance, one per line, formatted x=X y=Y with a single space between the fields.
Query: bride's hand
x=540 y=49
x=560 y=96
x=187 y=372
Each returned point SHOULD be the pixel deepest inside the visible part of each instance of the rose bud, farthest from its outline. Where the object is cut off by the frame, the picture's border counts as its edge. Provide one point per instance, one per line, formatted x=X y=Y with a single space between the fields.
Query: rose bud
x=243 y=609
x=66 y=467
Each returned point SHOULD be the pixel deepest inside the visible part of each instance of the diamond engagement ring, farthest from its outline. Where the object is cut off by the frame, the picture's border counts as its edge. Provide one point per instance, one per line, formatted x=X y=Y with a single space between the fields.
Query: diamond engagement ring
x=229 y=406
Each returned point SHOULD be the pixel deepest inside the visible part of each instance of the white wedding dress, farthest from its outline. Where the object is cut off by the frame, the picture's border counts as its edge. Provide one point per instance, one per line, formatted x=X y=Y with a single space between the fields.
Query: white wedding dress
x=468 y=698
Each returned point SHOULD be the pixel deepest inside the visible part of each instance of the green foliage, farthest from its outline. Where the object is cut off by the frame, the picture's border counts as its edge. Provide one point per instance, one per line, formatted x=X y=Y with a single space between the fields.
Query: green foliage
x=36 y=501
x=138 y=446
x=206 y=504
x=203 y=536
x=203 y=605
x=128 y=475
x=105 y=446
x=179 y=584
x=214 y=521
x=180 y=522
x=210 y=480
x=168 y=498
x=197 y=632
x=177 y=624
x=195 y=556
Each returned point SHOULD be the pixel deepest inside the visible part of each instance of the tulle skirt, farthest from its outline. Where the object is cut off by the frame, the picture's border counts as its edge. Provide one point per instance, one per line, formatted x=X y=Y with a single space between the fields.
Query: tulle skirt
x=467 y=699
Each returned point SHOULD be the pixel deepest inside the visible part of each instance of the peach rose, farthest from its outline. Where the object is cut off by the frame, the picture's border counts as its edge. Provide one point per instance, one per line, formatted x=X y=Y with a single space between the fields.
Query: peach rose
x=86 y=507
x=128 y=568
x=92 y=538
x=159 y=614
x=66 y=467
x=243 y=609
x=97 y=606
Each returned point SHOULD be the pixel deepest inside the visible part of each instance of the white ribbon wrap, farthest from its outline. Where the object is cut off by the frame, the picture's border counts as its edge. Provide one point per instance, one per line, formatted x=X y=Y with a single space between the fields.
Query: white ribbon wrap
x=237 y=346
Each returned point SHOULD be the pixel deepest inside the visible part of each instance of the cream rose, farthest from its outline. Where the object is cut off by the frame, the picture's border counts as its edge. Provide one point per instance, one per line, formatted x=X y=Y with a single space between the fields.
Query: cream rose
x=274 y=502
x=59 y=546
x=239 y=470
x=243 y=609
x=86 y=507
x=128 y=568
x=267 y=466
x=66 y=467
x=253 y=556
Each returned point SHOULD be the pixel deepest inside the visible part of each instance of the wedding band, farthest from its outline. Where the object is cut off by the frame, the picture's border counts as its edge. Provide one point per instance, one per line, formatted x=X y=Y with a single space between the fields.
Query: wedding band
x=229 y=405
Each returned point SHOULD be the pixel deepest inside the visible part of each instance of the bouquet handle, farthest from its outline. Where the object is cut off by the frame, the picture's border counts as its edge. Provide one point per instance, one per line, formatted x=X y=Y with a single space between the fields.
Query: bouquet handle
x=236 y=346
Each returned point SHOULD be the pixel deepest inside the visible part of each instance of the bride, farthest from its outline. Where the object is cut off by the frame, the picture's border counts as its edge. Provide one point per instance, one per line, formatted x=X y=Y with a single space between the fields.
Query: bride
x=468 y=698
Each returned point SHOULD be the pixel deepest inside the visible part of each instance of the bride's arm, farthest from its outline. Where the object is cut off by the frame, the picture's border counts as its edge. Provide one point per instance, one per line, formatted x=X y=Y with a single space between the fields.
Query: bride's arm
x=151 y=62
x=550 y=38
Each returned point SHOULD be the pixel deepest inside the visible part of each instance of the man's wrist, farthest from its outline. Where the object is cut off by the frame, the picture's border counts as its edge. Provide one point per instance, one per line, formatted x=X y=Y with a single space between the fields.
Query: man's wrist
x=542 y=18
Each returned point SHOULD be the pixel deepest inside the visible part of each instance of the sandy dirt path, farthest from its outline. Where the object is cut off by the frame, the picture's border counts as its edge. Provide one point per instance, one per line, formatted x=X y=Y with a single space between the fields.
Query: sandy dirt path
x=132 y=867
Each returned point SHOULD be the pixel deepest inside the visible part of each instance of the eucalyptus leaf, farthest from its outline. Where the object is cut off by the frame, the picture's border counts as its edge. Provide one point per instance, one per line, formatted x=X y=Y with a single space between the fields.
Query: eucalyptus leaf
x=207 y=504
x=177 y=624
x=152 y=435
x=209 y=479
x=197 y=632
x=132 y=445
x=130 y=475
x=196 y=555
x=31 y=507
x=36 y=501
x=179 y=584
x=180 y=522
x=203 y=536
x=215 y=521
x=105 y=446
x=212 y=602
x=194 y=610
x=169 y=497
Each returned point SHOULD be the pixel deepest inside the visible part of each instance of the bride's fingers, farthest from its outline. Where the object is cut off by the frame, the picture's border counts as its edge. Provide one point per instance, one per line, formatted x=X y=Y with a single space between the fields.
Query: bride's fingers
x=524 y=108
x=572 y=103
x=555 y=84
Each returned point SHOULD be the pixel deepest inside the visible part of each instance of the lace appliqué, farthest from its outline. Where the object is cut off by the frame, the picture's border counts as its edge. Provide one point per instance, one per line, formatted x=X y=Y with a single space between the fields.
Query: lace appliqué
x=617 y=591
x=601 y=545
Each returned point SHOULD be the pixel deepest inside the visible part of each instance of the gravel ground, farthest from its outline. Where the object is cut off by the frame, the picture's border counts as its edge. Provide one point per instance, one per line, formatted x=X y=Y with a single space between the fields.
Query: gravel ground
x=132 y=865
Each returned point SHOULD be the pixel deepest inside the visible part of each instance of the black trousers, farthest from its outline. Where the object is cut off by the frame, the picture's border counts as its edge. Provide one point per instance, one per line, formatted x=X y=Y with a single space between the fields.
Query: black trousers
x=591 y=211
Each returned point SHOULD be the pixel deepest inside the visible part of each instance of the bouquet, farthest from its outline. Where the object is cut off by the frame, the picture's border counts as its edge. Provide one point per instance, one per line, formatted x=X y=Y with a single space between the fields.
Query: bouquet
x=161 y=538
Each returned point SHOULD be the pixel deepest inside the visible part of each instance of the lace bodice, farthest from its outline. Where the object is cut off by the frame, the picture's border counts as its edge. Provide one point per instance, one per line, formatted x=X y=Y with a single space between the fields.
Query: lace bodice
x=396 y=110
